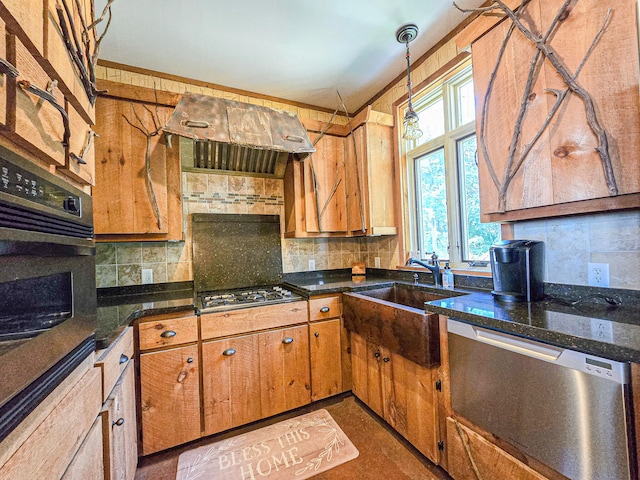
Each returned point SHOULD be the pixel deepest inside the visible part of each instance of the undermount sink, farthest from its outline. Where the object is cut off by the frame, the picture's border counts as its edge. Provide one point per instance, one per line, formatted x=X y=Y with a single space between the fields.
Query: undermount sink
x=395 y=317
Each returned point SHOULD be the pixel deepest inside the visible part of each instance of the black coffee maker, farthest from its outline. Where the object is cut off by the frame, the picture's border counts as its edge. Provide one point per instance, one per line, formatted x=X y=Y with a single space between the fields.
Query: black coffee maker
x=517 y=267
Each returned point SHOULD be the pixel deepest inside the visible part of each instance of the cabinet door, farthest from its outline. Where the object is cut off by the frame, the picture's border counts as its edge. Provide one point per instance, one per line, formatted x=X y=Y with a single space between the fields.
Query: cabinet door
x=366 y=359
x=326 y=361
x=565 y=163
x=170 y=398
x=324 y=186
x=88 y=461
x=231 y=382
x=284 y=370
x=123 y=453
x=120 y=151
x=410 y=402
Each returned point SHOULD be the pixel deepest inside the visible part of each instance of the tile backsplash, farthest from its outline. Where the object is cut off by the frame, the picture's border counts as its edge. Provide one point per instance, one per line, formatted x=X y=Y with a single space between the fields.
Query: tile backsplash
x=120 y=264
x=573 y=242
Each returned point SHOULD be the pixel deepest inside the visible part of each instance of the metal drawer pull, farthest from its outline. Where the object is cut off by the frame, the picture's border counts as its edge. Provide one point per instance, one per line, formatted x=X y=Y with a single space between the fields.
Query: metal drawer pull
x=386 y=359
x=228 y=352
x=287 y=340
x=168 y=334
x=123 y=358
x=294 y=138
x=195 y=123
x=190 y=360
x=316 y=334
x=324 y=309
x=118 y=422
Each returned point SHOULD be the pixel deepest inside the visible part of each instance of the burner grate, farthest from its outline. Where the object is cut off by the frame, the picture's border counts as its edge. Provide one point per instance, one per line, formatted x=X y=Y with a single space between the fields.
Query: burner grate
x=246 y=297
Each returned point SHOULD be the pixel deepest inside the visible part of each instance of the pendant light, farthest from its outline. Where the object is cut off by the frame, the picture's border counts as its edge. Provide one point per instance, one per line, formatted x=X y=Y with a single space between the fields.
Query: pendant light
x=405 y=34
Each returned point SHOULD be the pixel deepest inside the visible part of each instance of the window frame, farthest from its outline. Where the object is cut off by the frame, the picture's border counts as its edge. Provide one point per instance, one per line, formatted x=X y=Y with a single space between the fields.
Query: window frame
x=449 y=85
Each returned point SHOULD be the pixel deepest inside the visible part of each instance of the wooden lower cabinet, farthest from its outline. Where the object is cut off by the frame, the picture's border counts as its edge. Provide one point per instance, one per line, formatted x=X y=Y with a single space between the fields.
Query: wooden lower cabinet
x=471 y=456
x=326 y=359
x=170 y=398
x=402 y=392
x=231 y=382
x=254 y=376
x=284 y=370
x=119 y=429
x=88 y=463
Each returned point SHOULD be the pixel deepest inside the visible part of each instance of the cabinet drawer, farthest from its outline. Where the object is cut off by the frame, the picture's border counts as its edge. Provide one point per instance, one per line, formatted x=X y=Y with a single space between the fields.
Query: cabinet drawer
x=244 y=320
x=32 y=122
x=321 y=308
x=164 y=333
x=114 y=360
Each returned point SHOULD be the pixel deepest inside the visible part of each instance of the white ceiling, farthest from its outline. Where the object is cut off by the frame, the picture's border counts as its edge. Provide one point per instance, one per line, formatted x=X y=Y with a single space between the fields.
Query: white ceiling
x=299 y=50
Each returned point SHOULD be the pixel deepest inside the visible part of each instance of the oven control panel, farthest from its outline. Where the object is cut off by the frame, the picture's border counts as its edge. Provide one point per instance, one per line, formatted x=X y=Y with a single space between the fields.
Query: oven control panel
x=18 y=182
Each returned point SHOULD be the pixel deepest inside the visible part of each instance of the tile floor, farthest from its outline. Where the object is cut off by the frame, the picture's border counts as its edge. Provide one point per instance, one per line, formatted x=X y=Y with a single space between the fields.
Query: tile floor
x=383 y=455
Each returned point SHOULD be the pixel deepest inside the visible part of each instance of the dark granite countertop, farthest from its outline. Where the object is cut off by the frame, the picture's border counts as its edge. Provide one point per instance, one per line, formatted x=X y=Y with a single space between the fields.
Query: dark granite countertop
x=591 y=326
x=119 y=307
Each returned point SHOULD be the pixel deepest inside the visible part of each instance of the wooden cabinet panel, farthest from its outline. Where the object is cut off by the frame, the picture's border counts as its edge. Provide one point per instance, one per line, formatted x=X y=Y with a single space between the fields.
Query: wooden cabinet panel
x=322 y=308
x=564 y=167
x=47 y=452
x=398 y=390
x=3 y=78
x=370 y=176
x=170 y=398
x=88 y=461
x=80 y=147
x=491 y=461
x=326 y=359
x=284 y=370
x=120 y=160
x=235 y=322
x=231 y=382
x=324 y=186
x=32 y=122
x=165 y=333
x=120 y=430
x=25 y=19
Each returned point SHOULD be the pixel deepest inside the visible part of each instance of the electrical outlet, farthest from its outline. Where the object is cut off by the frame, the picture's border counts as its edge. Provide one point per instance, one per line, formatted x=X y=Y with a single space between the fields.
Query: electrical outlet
x=312 y=265
x=598 y=274
x=376 y=262
x=602 y=330
x=147 y=275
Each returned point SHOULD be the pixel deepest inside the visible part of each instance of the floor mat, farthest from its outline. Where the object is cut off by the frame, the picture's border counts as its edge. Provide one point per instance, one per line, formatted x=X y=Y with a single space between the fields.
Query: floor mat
x=297 y=448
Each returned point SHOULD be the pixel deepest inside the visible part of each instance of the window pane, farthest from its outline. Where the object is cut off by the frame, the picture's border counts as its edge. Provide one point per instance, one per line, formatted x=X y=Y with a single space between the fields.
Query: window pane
x=432 y=206
x=466 y=104
x=431 y=121
x=476 y=237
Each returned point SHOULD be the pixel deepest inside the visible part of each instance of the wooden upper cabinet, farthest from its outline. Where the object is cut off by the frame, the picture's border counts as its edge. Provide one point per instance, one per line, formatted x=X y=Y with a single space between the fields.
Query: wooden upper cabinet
x=126 y=190
x=324 y=186
x=347 y=187
x=559 y=163
x=370 y=175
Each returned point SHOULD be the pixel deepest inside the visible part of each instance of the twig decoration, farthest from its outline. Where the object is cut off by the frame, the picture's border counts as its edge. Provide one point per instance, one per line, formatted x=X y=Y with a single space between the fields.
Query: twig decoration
x=29 y=87
x=149 y=134
x=543 y=51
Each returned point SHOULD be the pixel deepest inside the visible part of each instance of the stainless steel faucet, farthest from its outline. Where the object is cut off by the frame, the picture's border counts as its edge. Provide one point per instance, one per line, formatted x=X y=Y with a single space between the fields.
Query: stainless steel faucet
x=434 y=269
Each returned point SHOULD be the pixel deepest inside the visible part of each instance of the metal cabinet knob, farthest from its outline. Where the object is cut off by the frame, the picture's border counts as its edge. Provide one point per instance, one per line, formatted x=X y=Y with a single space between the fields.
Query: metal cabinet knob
x=316 y=334
x=190 y=360
x=325 y=309
x=228 y=352
x=123 y=359
x=287 y=340
x=118 y=422
x=168 y=334
x=377 y=354
x=386 y=359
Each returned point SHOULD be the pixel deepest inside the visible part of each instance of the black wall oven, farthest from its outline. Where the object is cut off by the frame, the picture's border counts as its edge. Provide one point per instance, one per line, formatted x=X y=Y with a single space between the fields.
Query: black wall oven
x=47 y=285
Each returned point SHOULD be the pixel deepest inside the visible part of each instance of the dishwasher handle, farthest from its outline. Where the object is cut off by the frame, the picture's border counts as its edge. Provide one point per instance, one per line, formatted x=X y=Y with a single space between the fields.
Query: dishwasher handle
x=587 y=363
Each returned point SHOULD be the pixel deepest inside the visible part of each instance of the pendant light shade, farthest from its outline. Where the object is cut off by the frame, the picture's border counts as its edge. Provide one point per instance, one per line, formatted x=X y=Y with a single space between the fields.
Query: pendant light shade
x=405 y=34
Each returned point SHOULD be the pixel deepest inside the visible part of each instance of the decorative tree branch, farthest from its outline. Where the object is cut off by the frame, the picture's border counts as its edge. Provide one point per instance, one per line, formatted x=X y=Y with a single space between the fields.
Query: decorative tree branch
x=542 y=50
x=29 y=87
x=149 y=134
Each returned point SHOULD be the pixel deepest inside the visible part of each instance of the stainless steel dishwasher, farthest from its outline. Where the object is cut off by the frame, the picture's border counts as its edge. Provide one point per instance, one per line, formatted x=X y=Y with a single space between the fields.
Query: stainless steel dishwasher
x=562 y=407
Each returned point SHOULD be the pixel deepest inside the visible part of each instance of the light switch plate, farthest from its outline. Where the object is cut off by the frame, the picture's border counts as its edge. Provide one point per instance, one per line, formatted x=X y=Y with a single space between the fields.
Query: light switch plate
x=376 y=261
x=147 y=275
x=312 y=265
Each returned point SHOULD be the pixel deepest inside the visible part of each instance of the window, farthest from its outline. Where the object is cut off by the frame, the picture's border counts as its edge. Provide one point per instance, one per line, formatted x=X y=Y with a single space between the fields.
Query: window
x=443 y=165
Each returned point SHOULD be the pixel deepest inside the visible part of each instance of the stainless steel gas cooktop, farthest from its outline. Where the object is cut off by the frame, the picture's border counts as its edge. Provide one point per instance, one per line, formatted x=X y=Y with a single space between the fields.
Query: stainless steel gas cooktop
x=245 y=297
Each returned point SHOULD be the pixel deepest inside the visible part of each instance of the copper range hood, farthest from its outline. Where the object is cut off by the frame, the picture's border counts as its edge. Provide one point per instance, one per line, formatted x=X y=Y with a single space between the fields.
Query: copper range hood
x=236 y=137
